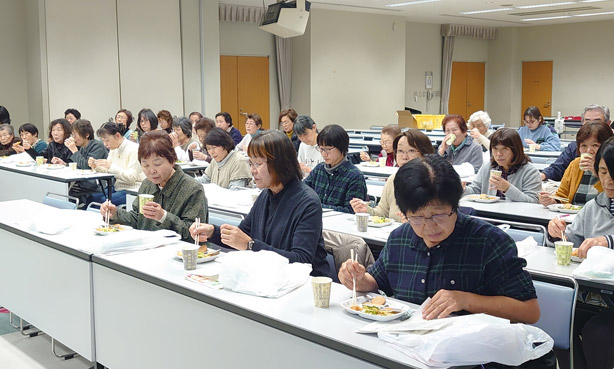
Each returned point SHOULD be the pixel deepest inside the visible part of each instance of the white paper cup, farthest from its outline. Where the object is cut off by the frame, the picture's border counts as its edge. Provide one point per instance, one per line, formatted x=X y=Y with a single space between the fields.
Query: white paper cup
x=451 y=139
x=72 y=166
x=532 y=147
x=563 y=252
x=582 y=156
x=382 y=161
x=495 y=173
x=144 y=199
x=362 y=222
x=190 y=256
x=321 y=291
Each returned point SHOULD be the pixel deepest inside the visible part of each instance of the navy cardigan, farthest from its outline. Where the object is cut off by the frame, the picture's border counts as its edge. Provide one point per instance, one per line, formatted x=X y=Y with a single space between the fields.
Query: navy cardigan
x=288 y=223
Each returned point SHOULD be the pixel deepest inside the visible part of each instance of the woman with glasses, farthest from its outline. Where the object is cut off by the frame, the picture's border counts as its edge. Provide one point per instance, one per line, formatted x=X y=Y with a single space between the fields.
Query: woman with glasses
x=253 y=126
x=287 y=117
x=287 y=216
x=519 y=180
x=336 y=180
x=534 y=132
x=146 y=121
x=410 y=145
x=457 y=147
x=389 y=133
x=228 y=168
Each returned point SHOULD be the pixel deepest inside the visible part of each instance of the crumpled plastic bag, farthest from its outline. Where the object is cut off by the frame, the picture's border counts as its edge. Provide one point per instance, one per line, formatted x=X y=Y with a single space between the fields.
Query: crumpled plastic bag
x=598 y=266
x=263 y=273
x=464 y=170
x=526 y=246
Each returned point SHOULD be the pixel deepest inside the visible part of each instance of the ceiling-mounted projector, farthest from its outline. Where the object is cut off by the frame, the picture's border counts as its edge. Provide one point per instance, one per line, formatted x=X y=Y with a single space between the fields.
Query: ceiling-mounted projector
x=287 y=18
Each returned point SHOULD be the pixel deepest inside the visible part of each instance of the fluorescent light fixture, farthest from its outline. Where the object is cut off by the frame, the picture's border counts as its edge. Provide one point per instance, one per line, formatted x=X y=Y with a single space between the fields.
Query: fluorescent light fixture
x=546 y=18
x=545 y=5
x=416 y=2
x=591 y=1
x=592 y=14
x=486 y=11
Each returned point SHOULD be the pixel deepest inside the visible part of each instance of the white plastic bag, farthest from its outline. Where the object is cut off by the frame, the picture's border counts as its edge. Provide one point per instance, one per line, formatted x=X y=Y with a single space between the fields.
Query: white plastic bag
x=598 y=266
x=472 y=340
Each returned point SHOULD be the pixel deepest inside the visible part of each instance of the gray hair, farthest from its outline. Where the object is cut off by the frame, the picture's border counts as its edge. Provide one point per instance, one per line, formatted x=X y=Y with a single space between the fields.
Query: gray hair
x=480 y=115
x=7 y=127
x=602 y=108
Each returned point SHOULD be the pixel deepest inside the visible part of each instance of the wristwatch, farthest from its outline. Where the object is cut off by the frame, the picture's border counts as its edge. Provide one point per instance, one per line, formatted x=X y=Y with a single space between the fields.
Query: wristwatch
x=250 y=244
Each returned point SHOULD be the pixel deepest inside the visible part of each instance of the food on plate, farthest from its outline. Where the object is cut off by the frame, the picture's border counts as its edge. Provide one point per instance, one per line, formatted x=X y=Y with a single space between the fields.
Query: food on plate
x=380 y=220
x=202 y=252
x=110 y=228
x=379 y=310
x=356 y=307
x=483 y=196
x=378 y=300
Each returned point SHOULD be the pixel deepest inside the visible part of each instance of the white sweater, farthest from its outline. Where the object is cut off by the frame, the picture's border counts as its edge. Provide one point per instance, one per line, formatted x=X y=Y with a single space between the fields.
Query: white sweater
x=125 y=166
x=309 y=155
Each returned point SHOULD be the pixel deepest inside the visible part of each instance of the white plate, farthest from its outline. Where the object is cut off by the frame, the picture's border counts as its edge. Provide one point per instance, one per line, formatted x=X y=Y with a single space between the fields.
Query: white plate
x=55 y=166
x=121 y=228
x=379 y=225
x=85 y=171
x=389 y=303
x=575 y=259
x=26 y=164
x=213 y=254
x=477 y=198
x=370 y=164
x=561 y=209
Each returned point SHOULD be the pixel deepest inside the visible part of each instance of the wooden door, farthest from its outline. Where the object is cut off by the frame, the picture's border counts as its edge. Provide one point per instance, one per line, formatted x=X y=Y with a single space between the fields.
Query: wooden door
x=245 y=88
x=537 y=86
x=467 y=88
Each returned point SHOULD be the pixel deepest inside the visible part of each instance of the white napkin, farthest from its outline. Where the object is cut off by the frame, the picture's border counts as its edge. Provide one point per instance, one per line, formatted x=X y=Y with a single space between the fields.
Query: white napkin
x=526 y=246
x=24 y=157
x=136 y=240
x=49 y=221
x=464 y=170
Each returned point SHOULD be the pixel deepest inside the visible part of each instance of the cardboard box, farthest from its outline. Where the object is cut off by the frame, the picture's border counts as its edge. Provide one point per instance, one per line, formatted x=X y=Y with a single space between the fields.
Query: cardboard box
x=406 y=119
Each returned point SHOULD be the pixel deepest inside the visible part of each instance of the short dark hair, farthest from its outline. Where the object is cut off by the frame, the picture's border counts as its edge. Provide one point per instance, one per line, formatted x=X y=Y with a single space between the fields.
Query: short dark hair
x=280 y=154
x=391 y=130
x=150 y=116
x=256 y=118
x=185 y=125
x=128 y=114
x=110 y=129
x=157 y=143
x=200 y=116
x=166 y=115
x=84 y=128
x=334 y=135
x=219 y=137
x=291 y=113
x=424 y=180
x=5 y=117
x=606 y=152
x=462 y=125
x=206 y=124
x=601 y=131
x=65 y=126
x=416 y=139
x=533 y=112
x=509 y=138
x=302 y=124
x=226 y=116
x=30 y=128
x=74 y=112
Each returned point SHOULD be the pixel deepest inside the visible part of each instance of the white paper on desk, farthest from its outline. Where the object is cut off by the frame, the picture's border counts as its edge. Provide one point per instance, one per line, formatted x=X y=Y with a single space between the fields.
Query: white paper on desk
x=24 y=157
x=464 y=170
x=50 y=220
x=135 y=240
x=526 y=246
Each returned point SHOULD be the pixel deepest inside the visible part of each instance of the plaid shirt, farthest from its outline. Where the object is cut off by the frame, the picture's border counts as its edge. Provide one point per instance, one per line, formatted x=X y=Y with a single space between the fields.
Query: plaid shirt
x=477 y=257
x=337 y=189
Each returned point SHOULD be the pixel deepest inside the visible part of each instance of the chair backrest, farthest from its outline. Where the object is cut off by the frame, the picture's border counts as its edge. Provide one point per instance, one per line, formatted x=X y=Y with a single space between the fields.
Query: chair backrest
x=219 y=217
x=539 y=159
x=93 y=207
x=61 y=201
x=519 y=231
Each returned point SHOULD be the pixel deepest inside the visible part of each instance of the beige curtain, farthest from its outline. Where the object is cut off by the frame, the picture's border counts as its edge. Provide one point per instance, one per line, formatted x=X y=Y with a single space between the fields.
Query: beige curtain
x=283 y=48
x=240 y=13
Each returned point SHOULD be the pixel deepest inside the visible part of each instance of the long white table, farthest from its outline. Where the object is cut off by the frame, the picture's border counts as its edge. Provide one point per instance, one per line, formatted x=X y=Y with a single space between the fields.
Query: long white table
x=376 y=171
x=516 y=211
x=345 y=223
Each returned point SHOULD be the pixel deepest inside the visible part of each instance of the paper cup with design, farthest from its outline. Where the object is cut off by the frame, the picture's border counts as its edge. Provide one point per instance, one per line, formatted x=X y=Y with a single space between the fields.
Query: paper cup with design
x=451 y=139
x=382 y=161
x=532 y=147
x=189 y=253
x=362 y=222
x=40 y=160
x=72 y=166
x=321 y=291
x=563 y=252
x=495 y=173
x=144 y=198
x=585 y=155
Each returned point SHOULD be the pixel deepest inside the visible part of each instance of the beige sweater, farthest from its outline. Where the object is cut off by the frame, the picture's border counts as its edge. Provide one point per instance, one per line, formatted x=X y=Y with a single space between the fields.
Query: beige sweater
x=125 y=166
x=234 y=167
x=387 y=206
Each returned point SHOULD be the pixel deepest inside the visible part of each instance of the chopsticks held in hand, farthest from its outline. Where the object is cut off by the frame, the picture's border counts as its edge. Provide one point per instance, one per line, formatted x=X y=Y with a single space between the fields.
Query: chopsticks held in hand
x=106 y=218
x=562 y=199
x=197 y=225
x=353 y=257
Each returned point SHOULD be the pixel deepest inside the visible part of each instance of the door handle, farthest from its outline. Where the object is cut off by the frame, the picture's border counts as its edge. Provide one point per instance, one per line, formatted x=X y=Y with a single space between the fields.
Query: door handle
x=468 y=103
x=547 y=105
x=241 y=112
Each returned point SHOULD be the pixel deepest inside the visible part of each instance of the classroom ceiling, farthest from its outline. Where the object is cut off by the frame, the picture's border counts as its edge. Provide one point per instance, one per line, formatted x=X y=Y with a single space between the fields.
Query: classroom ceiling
x=496 y=13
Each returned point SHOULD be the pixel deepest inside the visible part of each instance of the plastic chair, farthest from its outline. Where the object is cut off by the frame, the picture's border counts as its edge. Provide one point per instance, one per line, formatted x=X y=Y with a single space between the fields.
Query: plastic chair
x=556 y=295
x=61 y=201
x=519 y=231
x=93 y=207
x=218 y=217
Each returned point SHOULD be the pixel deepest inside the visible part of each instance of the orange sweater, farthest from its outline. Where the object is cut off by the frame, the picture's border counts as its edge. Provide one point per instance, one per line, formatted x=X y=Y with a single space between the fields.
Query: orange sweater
x=571 y=181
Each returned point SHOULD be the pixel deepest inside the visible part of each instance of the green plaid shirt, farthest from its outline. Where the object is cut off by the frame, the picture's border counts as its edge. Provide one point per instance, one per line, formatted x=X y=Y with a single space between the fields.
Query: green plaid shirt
x=477 y=257
x=337 y=189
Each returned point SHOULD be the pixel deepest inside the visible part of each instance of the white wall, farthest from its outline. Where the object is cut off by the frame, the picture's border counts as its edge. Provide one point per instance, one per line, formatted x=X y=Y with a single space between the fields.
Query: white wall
x=423 y=44
x=190 y=56
x=357 y=68
x=210 y=55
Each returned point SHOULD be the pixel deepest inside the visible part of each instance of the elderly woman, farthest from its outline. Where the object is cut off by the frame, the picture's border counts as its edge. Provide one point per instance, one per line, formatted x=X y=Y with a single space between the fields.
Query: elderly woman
x=165 y=121
x=195 y=117
x=457 y=147
x=178 y=199
x=408 y=146
x=31 y=143
x=124 y=118
x=287 y=216
x=336 y=180
x=228 y=168
x=389 y=133
x=202 y=128
x=223 y=120
x=253 y=126
x=182 y=138
x=287 y=117
x=478 y=125
x=72 y=115
x=59 y=131
x=122 y=162
x=82 y=145
x=580 y=182
x=519 y=179
x=146 y=121
x=534 y=132
x=7 y=140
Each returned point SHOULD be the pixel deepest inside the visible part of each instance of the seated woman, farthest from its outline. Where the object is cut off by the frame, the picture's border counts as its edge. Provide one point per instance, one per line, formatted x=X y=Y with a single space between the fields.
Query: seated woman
x=182 y=138
x=82 y=145
x=308 y=154
x=478 y=125
x=59 y=131
x=336 y=180
x=72 y=115
x=122 y=162
x=198 y=150
x=7 y=140
x=253 y=126
x=389 y=133
x=223 y=120
x=287 y=216
x=178 y=199
x=580 y=182
x=593 y=226
x=535 y=132
x=457 y=147
x=287 y=117
x=409 y=145
x=228 y=168
x=146 y=121
x=124 y=118
x=31 y=143
x=165 y=121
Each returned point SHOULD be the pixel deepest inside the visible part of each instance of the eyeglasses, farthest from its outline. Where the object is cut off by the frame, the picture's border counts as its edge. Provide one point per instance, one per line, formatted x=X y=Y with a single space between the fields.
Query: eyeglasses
x=406 y=152
x=285 y=122
x=437 y=218
x=256 y=166
x=531 y=121
x=326 y=150
x=384 y=142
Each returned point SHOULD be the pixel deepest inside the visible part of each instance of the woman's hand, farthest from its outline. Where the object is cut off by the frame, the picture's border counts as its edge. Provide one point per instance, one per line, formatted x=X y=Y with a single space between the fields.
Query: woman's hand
x=497 y=182
x=192 y=146
x=364 y=156
x=204 y=231
x=556 y=228
x=56 y=160
x=358 y=205
x=444 y=145
x=444 y=303
x=475 y=133
x=91 y=162
x=107 y=205
x=590 y=242
x=199 y=155
x=70 y=143
x=305 y=169
x=234 y=237
x=529 y=141
x=18 y=148
x=545 y=199
x=349 y=270
x=587 y=163
x=153 y=210
x=174 y=139
x=101 y=163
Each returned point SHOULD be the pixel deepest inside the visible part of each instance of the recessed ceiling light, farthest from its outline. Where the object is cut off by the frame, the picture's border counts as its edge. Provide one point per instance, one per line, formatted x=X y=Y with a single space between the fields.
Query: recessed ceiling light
x=546 y=18
x=591 y=1
x=416 y=2
x=486 y=11
x=592 y=14
x=545 y=5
